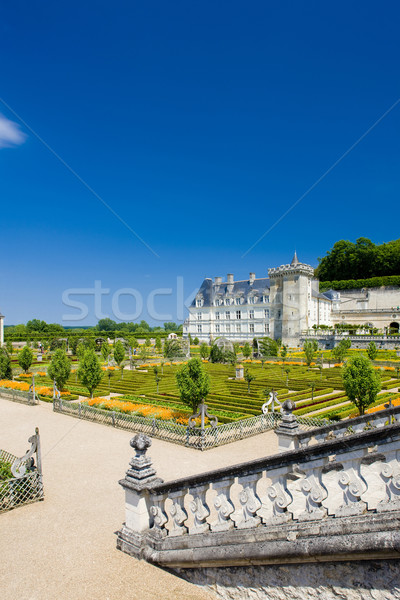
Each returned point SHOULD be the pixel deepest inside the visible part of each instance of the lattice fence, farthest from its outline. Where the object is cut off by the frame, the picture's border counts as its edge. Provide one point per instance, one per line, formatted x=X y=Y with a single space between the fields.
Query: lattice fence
x=210 y=437
x=27 y=484
x=19 y=396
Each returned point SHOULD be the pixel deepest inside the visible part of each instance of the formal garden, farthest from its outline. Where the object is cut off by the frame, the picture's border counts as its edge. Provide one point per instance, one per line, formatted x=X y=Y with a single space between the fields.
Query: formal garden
x=146 y=383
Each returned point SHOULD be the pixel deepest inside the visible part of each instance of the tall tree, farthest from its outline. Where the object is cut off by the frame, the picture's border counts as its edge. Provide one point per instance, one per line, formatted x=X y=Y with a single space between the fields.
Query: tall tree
x=60 y=368
x=310 y=347
x=360 y=382
x=25 y=358
x=372 y=351
x=193 y=383
x=119 y=352
x=89 y=371
x=5 y=364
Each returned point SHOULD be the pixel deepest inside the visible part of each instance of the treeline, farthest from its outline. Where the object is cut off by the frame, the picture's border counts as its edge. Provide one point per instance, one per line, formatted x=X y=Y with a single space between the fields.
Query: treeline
x=36 y=330
x=354 y=284
x=360 y=260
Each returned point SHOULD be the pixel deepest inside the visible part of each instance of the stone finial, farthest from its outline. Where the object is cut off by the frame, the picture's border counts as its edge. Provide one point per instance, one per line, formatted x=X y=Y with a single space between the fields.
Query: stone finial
x=141 y=473
x=295 y=260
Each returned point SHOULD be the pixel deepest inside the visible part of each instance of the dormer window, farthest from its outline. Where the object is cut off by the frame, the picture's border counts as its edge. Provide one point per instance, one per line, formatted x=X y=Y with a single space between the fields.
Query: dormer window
x=237 y=300
x=199 y=302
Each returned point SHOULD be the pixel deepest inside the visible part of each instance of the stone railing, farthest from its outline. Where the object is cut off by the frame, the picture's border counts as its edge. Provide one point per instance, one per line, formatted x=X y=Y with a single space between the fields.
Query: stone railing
x=338 y=499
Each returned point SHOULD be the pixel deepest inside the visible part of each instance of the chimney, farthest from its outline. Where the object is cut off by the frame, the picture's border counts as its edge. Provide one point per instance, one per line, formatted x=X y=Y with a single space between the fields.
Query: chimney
x=218 y=280
x=229 y=278
x=252 y=277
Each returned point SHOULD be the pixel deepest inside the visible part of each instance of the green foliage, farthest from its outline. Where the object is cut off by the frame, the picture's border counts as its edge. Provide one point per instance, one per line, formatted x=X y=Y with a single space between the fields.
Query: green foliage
x=9 y=347
x=173 y=349
x=59 y=368
x=73 y=345
x=372 y=351
x=341 y=350
x=310 y=347
x=269 y=347
x=361 y=383
x=5 y=471
x=249 y=378
x=143 y=353
x=107 y=325
x=361 y=260
x=193 y=383
x=158 y=344
x=80 y=351
x=119 y=352
x=5 y=364
x=196 y=341
x=89 y=371
x=204 y=350
x=283 y=352
x=246 y=350
x=216 y=354
x=105 y=350
x=25 y=358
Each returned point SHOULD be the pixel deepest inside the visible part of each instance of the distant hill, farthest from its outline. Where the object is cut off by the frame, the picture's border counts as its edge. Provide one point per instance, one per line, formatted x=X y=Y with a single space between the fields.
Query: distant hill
x=360 y=260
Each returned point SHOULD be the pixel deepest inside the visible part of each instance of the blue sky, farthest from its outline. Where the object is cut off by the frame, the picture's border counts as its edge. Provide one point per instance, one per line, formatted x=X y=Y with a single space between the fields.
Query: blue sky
x=200 y=124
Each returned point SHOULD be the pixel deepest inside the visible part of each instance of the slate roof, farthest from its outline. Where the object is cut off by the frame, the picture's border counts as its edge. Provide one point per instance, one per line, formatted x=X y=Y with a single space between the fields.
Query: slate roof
x=320 y=295
x=209 y=290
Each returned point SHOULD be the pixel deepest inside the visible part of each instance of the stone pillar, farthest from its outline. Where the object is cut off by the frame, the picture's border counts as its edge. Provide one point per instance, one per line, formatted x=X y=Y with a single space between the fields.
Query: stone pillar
x=239 y=372
x=1 y=330
x=288 y=428
x=139 y=478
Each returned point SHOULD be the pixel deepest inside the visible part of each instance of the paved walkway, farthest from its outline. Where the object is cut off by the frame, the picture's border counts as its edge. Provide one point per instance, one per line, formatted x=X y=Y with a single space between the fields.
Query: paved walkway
x=65 y=547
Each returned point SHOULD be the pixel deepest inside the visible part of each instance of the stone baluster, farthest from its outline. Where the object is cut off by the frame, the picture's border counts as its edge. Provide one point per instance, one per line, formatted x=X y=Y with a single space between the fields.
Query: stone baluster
x=305 y=440
x=246 y=516
x=303 y=484
x=199 y=509
x=275 y=501
x=288 y=429
x=159 y=516
x=344 y=487
x=224 y=506
x=178 y=513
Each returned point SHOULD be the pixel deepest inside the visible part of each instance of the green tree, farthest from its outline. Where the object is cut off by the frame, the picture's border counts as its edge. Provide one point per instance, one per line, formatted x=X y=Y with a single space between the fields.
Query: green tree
x=309 y=348
x=9 y=347
x=89 y=371
x=60 y=368
x=107 y=325
x=80 y=351
x=268 y=347
x=287 y=371
x=216 y=354
x=246 y=350
x=73 y=344
x=158 y=344
x=372 y=351
x=283 y=352
x=360 y=382
x=5 y=364
x=193 y=383
x=143 y=353
x=341 y=350
x=172 y=349
x=25 y=358
x=204 y=350
x=249 y=378
x=119 y=352
x=105 y=350
x=196 y=341
x=157 y=377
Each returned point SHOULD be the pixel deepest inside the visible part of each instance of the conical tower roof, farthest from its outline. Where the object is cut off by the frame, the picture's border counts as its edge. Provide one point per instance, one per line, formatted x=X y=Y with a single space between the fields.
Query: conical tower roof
x=295 y=260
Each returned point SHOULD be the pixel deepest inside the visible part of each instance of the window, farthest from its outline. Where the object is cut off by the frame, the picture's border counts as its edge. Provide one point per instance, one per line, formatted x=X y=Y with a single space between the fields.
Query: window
x=265 y=299
x=217 y=316
x=266 y=328
x=199 y=302
x=237 y=327
x=250 y=300
x=228 y=315
x=199 y=316
x=227 y=302
x=238 y=314
x=217 y=328
x=251 y=314
x=266 y=313
x=237 y=300
x=251 y=327
x=279 y=314
x=199 y=328
x=228 y=328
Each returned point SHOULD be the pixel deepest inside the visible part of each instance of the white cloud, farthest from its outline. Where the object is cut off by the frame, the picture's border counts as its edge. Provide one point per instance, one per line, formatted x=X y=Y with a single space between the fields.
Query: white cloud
x=10 y=133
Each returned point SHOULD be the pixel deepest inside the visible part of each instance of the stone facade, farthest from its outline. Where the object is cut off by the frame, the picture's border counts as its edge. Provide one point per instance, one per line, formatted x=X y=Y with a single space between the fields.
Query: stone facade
x=358 y=580
x=285 y=305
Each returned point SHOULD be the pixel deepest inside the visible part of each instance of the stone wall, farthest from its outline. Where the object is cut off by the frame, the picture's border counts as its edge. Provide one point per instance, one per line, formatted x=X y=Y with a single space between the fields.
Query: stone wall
x=366 y=580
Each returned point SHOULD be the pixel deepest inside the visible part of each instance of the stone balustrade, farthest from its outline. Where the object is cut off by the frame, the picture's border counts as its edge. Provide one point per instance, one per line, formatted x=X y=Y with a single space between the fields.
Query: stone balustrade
x=337 y=498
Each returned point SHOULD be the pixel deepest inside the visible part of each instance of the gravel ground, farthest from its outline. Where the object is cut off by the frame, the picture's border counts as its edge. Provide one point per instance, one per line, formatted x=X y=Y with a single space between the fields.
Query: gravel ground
x=65 y=546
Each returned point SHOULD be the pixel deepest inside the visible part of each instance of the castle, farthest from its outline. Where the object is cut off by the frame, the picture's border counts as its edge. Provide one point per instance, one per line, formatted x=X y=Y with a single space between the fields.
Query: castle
x=284 y=305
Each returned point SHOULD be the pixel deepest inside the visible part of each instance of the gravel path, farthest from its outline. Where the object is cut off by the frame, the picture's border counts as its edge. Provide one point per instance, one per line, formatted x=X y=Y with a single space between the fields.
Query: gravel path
x=65 y=547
